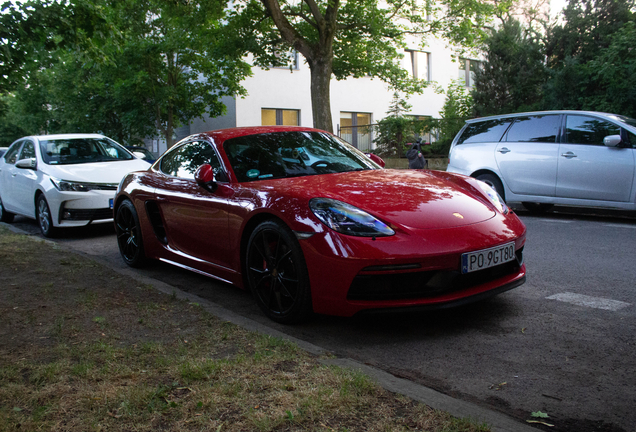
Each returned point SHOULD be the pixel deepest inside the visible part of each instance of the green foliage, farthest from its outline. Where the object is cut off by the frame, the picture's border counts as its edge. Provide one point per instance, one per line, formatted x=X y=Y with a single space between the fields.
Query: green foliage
x=163 y=64
x=396 y=129
x=513 y=75
x=457 y=108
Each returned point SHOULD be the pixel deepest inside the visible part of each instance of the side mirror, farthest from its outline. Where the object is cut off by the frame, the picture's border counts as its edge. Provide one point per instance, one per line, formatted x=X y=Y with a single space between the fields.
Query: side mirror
x=29 y=163
x=612 y=140
x=140 y=155
x=377 y=159
x=205 y=177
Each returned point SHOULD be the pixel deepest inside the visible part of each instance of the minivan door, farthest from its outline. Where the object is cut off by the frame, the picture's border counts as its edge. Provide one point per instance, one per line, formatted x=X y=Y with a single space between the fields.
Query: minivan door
x=587 y=168
x=527 y=155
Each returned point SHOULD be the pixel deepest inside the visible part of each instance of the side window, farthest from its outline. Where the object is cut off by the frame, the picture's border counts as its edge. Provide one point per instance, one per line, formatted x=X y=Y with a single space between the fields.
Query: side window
x=534 y=129
x=28 y=150
x=588 y=130
x=486 y=131
x=184 y=160
x=11 y=156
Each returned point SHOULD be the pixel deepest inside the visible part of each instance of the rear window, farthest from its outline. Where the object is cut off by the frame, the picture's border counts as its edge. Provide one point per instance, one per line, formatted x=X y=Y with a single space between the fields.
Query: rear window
x=485 y=131
x=534 y=129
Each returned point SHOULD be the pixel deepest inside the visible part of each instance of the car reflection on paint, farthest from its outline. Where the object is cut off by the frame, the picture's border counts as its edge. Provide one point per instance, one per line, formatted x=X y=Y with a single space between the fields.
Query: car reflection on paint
x=335 y=236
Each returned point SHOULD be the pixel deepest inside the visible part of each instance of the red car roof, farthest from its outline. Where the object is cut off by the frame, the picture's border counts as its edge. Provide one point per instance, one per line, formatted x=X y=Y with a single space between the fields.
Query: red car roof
x=225 y=134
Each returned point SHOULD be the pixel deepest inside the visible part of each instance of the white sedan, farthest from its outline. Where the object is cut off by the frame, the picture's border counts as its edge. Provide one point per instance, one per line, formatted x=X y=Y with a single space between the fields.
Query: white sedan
x=63 y=180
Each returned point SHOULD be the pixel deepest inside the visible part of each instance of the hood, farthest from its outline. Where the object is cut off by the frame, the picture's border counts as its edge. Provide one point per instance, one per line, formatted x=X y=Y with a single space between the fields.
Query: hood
x=98 y=172
x=408 y=198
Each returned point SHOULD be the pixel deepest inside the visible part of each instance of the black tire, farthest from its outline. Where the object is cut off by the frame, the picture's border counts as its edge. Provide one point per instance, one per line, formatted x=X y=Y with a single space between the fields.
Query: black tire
x=5 y=216
x=537 y=208
x=128 y=230
x=277 y=274
x=44 y=217
x=494 y=182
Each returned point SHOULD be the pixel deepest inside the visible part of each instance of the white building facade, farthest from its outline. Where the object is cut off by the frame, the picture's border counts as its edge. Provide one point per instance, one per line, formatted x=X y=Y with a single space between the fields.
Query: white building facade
x=282 y=96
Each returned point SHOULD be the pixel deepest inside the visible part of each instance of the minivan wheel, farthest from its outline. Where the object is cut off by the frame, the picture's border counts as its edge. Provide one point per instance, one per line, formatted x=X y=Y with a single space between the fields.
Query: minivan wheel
x=494 y=182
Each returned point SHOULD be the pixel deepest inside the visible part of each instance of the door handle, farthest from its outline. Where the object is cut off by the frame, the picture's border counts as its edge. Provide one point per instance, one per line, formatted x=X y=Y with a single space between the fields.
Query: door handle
x=504 y=150
x=568 y=155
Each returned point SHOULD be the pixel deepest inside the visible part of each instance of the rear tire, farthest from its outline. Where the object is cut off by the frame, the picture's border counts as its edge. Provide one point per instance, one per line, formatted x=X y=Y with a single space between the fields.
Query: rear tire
x=277 y=273
x=5 y=216
x=129 y=240
x=44 y=217
x=494 y=182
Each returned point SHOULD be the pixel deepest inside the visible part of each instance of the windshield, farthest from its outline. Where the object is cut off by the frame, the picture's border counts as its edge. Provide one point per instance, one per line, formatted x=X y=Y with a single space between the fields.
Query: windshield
x=292 y=154
x=82 y=150
x=626 y=120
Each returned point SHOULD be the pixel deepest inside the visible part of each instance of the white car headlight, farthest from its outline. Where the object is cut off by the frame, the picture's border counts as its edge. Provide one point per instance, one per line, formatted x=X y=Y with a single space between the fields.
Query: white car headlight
x=71 y=186
x=494 y=197
x=347 y=219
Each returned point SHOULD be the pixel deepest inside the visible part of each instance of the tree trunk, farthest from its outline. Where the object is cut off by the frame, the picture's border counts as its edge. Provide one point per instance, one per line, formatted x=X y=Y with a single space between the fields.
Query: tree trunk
x=320 y=93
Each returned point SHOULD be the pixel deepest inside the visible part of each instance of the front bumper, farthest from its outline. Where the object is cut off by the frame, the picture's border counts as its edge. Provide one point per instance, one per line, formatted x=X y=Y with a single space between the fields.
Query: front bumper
x=80 y=208
x=417 y=270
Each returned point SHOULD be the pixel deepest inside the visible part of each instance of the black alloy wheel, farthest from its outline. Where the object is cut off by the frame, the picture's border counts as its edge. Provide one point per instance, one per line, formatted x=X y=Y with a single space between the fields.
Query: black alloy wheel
x=44 y=217
x=494 y=182
x=5 y=216
x=128 y=231
x=277 y=273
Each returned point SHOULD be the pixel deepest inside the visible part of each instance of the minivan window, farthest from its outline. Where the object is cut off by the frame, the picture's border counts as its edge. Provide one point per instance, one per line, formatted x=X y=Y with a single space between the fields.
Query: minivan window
x=588 y=130
x=534 y=129
x=485 y=131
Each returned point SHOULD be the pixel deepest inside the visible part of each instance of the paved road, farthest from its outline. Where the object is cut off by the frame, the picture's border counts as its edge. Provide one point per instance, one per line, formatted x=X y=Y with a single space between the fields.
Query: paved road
x=564 y=343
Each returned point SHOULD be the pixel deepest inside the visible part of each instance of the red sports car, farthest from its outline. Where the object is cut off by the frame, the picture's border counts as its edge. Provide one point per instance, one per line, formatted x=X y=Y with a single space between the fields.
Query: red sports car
x=310 y=224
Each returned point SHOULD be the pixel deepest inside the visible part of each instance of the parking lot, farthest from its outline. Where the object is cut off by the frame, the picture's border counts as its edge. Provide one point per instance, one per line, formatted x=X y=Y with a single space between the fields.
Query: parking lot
x=563 y=343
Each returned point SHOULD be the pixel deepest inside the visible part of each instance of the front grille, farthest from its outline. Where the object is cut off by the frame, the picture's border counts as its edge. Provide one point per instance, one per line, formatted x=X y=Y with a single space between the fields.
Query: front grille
x=87 y=214
x=414 y=285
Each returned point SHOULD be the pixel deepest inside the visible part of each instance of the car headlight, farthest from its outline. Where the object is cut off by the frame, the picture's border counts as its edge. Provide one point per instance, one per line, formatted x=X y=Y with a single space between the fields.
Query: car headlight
x=71 y=186
x=347 y=219
x=494 y=197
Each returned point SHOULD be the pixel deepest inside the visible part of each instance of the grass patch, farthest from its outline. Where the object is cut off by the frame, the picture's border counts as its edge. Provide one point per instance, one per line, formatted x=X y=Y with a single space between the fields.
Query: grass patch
x=83 y=349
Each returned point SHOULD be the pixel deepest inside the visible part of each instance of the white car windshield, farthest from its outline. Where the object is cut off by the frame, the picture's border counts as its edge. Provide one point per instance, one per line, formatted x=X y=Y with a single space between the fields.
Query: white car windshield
x=82 y=150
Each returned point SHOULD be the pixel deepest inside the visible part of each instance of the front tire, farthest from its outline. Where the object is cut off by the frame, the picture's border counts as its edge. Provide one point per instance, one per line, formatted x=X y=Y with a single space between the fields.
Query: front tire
x=494 y=182
x=277 y=274
x=129 y=240
x=5 y=216
x=44 y=217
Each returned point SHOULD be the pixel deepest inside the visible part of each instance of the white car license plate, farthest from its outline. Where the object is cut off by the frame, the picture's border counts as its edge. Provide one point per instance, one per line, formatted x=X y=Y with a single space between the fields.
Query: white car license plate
x=110 y=203
x=483 y=259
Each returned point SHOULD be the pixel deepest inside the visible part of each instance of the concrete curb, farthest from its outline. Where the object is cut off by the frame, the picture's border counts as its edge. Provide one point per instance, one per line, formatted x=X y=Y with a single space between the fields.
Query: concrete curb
x=498 y=422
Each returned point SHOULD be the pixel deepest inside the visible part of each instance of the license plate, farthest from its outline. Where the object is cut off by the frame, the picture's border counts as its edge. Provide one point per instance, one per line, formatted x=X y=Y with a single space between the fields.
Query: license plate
x=483 y=259
x=110 y=203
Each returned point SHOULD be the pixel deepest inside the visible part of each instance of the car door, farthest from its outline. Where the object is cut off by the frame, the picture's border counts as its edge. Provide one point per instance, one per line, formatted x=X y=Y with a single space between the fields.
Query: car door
x=587 y=168
x=527 y=155
x=7 y=170
x=23 y=182
x=195 y=219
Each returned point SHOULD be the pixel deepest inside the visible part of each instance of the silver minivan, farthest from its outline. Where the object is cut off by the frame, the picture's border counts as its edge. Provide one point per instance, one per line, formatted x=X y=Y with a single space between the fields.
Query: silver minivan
x=575 y=158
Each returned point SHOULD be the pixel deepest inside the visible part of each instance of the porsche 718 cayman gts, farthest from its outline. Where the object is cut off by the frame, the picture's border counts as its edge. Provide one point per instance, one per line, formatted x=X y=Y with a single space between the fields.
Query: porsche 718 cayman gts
x=309 y=224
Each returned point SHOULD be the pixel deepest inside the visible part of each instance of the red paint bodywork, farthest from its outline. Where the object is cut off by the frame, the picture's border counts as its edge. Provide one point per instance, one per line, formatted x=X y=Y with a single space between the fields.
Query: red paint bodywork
x=207 y=232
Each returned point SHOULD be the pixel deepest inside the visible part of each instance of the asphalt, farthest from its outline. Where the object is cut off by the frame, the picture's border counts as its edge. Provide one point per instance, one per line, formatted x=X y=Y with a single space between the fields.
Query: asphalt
x=498 y=422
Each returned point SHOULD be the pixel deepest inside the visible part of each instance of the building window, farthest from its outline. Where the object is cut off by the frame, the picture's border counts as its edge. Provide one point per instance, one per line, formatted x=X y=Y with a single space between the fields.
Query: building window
x=355 y=128
x=418 y=64
x=467 y=70
x=279 y=117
